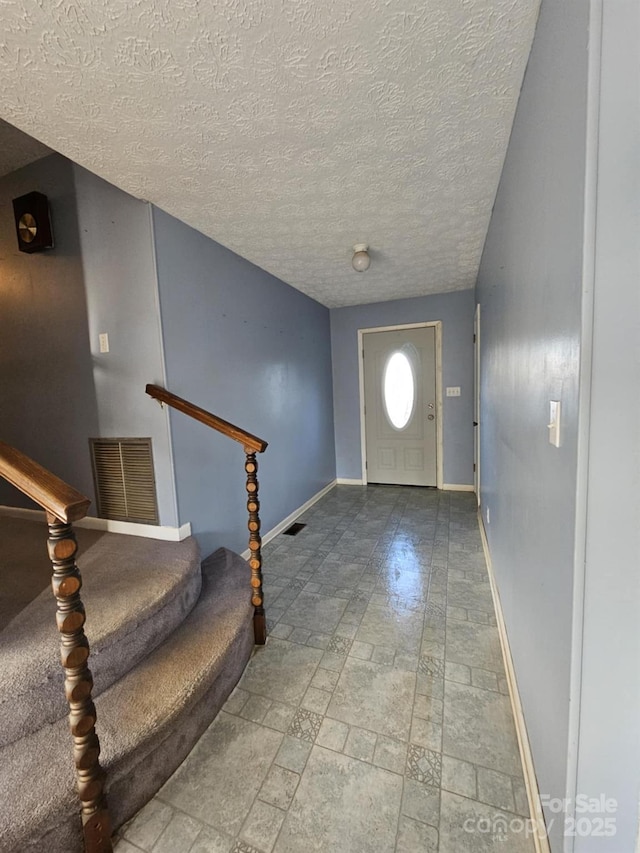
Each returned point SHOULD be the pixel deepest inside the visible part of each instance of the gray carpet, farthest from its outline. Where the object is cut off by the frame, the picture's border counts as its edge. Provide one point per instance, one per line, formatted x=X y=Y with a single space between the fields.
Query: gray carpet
x=136 y=592
x=25 y=570
x=147 y=721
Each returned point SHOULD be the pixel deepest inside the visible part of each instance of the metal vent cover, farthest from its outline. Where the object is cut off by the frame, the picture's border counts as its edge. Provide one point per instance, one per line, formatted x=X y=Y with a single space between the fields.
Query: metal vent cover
x=124 y=479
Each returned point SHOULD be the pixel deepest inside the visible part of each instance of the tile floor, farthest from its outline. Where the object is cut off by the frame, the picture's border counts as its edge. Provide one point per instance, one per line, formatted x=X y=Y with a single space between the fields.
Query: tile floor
x=377 y=717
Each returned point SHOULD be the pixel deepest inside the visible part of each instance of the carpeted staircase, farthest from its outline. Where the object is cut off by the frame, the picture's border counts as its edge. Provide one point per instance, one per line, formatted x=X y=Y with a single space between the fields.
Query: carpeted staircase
x=169 y=640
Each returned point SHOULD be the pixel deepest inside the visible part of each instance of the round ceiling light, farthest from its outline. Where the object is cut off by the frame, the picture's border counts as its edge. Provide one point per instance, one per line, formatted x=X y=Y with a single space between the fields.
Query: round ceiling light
x=361 y=259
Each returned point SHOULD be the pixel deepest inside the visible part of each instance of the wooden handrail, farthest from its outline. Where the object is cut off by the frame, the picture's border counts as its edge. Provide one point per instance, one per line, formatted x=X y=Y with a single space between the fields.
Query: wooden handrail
x=251 y=443
x=50 y=492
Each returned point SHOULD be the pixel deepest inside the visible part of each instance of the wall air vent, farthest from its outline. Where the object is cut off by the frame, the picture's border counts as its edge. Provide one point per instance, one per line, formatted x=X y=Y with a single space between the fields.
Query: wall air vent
x=124 y=479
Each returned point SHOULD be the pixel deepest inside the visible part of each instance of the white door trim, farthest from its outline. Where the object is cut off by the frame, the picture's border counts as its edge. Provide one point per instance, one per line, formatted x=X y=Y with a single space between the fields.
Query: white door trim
x=476 y=402
x=437 y=324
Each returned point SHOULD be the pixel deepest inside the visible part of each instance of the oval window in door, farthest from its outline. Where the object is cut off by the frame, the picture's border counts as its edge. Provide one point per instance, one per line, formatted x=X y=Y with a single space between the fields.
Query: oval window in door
x=398 y=389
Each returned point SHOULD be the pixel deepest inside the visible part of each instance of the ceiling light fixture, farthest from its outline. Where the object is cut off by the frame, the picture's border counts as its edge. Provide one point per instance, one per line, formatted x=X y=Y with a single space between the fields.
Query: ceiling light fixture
x=361 y=259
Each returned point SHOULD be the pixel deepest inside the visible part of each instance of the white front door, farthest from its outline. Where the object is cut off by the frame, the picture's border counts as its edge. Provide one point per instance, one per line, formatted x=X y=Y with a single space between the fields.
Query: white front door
x=400 y=406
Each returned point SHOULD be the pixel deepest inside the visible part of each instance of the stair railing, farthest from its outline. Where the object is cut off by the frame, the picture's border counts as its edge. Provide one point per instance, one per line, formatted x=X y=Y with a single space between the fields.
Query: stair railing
x=63 y=505
x=252 y=445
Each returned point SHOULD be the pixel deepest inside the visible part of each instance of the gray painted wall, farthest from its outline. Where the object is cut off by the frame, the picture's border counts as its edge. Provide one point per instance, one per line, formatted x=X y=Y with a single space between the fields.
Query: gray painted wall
x=48 y=405
x=530 y=289
x=609 y=744
x=455 y=310
x=122 y=300
x=256 y=352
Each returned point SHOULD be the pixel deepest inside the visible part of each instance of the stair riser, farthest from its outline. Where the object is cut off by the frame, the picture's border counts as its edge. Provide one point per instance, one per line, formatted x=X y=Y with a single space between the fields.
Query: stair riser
x=40 y=700
x=148 y=721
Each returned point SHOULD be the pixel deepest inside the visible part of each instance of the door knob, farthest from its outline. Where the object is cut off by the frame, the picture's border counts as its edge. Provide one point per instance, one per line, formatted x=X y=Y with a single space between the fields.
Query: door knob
x=430 y=417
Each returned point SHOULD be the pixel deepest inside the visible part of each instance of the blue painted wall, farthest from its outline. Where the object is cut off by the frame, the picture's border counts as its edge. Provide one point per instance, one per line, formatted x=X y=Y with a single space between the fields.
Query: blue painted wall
x=558 y=286
x=530 y=290
x=57 y=389
x=455 y=310
x=48 y=403
x=121 y=291
x=244 y=345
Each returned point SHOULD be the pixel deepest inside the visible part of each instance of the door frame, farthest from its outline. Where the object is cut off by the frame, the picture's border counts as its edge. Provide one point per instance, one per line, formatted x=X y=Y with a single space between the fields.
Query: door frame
x=437 y=324
x=476 y=402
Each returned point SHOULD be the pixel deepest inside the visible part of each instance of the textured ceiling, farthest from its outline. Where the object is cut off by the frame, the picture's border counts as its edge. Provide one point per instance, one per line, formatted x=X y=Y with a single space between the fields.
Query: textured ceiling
x=287 y=130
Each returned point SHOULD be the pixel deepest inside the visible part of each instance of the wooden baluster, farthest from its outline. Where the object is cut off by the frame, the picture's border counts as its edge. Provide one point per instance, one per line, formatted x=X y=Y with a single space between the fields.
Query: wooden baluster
x=255 y=543
x=74 y=649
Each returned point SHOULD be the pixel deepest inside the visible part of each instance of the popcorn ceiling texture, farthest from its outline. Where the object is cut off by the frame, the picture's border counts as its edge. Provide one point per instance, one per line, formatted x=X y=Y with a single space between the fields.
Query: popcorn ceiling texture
x=287 y=130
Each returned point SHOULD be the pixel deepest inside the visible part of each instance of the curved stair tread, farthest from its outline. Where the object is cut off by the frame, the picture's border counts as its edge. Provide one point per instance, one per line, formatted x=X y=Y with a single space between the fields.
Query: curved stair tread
x=147 y=722
x=136 y=591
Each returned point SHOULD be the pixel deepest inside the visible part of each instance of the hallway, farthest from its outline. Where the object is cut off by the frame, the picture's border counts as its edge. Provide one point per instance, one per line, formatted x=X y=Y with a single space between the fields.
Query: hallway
x=377 y=717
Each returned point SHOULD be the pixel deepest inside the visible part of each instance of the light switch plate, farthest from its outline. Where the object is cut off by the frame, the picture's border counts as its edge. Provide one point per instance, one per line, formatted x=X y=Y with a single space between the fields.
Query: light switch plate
x=453 y=391
x=104 y=342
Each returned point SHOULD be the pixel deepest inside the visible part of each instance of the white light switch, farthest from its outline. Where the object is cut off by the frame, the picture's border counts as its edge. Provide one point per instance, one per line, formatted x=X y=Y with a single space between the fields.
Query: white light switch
x=554 y=423
x=453 y=391
x=104 y=342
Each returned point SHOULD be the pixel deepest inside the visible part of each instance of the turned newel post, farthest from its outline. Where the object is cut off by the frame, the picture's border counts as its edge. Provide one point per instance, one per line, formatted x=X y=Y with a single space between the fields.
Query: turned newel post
x=255 y=544
x=74 y=653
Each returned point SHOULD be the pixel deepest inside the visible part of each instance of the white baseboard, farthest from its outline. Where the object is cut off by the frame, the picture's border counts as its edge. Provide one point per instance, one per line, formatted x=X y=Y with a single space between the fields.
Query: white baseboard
x=291 y=517
x=540 y=838
x=447 y=487
x=126 y=528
